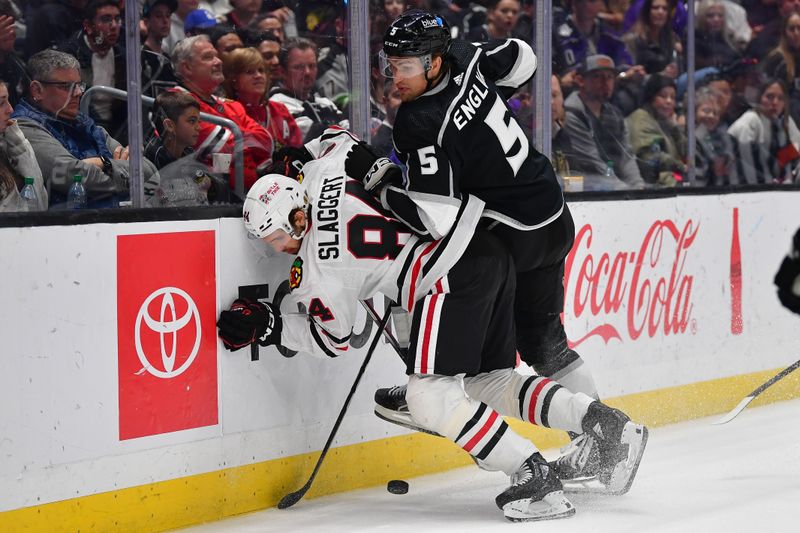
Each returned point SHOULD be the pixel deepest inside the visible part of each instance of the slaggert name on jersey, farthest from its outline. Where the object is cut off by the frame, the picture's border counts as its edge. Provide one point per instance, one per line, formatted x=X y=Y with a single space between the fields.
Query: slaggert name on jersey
x=475 y=96
x=326 y=214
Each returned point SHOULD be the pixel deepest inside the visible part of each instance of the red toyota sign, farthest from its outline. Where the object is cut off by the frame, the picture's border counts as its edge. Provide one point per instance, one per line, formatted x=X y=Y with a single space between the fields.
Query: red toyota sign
x=166 y=310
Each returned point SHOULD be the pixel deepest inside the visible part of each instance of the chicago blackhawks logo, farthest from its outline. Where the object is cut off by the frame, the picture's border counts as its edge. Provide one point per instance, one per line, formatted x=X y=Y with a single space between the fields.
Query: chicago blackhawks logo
x=296 y=273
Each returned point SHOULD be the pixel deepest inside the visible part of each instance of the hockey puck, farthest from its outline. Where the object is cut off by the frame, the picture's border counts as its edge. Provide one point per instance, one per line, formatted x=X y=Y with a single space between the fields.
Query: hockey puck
x=397 y=486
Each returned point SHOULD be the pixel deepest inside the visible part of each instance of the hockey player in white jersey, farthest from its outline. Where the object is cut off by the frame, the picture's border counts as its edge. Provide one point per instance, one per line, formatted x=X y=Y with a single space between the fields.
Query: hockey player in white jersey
x=460 y=294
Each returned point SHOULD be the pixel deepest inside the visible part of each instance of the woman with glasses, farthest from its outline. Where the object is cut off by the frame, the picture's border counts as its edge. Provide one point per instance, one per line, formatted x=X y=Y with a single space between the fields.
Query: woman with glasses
x=66 y=141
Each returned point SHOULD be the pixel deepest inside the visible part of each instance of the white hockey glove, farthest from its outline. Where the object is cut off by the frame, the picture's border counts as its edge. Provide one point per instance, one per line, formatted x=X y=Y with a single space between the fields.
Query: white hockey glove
x=374 y=171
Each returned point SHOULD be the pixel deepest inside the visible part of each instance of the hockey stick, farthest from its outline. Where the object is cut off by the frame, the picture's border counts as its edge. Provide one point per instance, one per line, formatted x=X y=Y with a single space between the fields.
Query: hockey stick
x=752 y=396
x=294 y=497
x=373 y=314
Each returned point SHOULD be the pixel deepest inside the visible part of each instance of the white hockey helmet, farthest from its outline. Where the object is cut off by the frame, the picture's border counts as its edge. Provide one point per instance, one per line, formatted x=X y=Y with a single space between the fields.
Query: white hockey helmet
x=269 y=203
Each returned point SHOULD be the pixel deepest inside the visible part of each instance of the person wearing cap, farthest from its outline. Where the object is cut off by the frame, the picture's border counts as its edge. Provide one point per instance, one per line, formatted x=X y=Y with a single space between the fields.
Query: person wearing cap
x=199 y=21
x=157 y=73
x=658 y=141
x=597 y=129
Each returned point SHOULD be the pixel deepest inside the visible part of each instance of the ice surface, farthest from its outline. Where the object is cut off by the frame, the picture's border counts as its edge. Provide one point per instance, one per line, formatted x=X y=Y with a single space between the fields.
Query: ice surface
x=695 y=477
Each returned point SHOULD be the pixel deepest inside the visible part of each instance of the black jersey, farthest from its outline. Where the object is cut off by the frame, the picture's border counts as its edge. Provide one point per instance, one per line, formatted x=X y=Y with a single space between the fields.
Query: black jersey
x=461 y=137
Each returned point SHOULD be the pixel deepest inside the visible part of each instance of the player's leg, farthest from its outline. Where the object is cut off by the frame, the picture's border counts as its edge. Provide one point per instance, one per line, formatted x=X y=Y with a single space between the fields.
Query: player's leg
x=449 y=329
x=618 y=443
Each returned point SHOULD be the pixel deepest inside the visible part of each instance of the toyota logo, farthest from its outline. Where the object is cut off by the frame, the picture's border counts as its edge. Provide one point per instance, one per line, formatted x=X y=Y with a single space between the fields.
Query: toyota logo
x=167 y=325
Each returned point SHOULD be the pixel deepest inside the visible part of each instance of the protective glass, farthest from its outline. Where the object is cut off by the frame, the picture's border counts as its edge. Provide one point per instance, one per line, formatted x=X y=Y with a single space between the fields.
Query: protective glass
x=403 y=67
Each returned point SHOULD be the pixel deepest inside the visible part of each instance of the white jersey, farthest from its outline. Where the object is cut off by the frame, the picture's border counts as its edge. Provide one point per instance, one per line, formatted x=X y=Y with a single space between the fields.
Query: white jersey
x=355 y=249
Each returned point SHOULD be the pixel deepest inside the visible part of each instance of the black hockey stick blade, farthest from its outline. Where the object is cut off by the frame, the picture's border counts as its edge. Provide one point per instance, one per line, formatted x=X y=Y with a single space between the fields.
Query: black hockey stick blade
x=753 y=395
x=294 y=497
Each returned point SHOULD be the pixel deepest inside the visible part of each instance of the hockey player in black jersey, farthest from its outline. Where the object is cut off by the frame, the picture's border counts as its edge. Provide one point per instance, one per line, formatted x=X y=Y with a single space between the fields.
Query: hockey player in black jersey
x=461 y=380
x=456 y=135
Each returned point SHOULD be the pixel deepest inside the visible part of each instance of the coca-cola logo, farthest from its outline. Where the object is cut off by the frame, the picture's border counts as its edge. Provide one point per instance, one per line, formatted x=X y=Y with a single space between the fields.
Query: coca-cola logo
x=648 y=290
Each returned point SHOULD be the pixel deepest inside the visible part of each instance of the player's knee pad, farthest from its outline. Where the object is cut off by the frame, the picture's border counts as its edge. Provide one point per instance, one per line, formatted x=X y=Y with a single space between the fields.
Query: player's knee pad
x=498 y=389
x=438 y=403
x=542 y=343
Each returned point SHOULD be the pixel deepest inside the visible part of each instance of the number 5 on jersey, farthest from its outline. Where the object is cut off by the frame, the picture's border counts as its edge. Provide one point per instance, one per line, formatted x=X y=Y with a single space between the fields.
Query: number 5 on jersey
x=509 y=133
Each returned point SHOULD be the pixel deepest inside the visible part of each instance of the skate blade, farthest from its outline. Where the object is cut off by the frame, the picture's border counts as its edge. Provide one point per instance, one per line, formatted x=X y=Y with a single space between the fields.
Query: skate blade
x=635 y=436
x=552 y=507
x=401 y=419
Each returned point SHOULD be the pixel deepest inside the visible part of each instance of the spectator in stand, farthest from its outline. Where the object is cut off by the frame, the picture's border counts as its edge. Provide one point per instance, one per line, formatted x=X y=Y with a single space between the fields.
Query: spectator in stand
x=655 y=135
x=714 y=41
x=583 y=34
x=597 y=130
x=12 y=68
x=218 y=8
x=721 y=86
x=745 y=81
x=784 y=61
x=652 y=40
x=184 y=180
x=393 y=8
x=715 y=156
x=177 y=30
x=67 y=142
x=199 y=22
x=199 y=70
x=382 y=139
x=271 y=23
x=269 y=47
x=52 y=23
x=333 y=79
x=102 y=59
x=501 y=19
x=177 y=121
x=243 y=14
x=768 y=138
x=247 y=81
x=225 y=40
x=560 y=143
x=157 y=73
x=770 y=34
x=17 y=162
x=312 y=112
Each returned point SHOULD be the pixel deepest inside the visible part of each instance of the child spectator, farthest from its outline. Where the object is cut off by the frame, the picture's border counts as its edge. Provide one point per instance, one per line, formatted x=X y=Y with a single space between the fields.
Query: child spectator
x=12 y=68
x=183 y=178
x=177 y=120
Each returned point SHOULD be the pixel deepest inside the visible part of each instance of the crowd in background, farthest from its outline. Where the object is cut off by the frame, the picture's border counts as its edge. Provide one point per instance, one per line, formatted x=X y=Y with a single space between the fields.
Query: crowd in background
x=279 y=70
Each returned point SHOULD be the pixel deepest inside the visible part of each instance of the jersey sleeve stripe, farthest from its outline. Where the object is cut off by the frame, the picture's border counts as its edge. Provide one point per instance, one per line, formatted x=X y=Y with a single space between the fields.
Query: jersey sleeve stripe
x=320 y=342
x=524 y=67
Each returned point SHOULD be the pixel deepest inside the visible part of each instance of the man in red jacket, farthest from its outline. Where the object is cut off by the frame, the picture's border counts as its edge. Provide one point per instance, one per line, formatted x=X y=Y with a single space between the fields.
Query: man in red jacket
x=199 y=70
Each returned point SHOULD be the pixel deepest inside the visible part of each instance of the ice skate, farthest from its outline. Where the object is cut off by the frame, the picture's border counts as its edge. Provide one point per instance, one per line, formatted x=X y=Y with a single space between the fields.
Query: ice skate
x=390 y=405
x=535 y=494
x=619 y=445
x=578 y=460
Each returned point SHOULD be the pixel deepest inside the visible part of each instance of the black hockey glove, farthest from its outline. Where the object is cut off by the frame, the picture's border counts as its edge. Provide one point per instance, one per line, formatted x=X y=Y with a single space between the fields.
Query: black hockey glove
x=374 y=171
x=289 y=161
x=247 y=322
x=788 y=277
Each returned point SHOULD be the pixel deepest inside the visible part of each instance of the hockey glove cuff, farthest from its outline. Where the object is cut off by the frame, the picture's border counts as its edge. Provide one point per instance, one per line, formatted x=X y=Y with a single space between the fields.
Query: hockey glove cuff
x=289 y=161
x=249 y=321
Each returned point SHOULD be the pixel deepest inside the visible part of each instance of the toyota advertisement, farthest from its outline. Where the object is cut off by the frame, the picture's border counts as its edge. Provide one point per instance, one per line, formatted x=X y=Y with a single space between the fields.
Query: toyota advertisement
x=166 y=305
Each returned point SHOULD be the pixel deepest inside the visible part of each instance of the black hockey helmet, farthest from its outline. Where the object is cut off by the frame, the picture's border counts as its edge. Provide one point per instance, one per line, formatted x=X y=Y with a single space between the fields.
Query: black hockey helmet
x=417 y=33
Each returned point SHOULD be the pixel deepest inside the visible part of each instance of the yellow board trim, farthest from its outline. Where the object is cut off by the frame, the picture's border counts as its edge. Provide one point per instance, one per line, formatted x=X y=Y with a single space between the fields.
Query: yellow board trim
x=208 y=497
